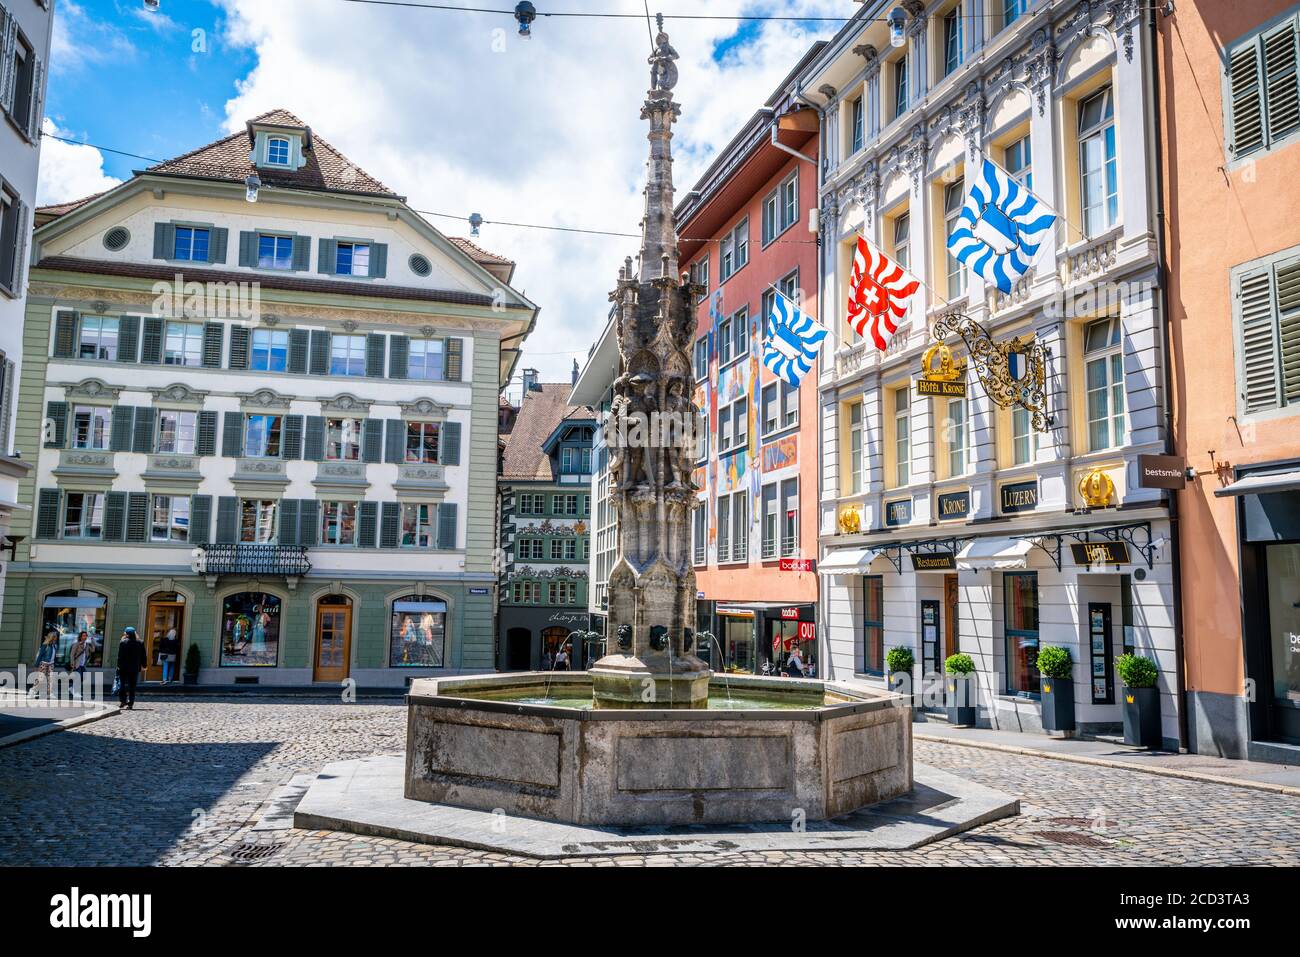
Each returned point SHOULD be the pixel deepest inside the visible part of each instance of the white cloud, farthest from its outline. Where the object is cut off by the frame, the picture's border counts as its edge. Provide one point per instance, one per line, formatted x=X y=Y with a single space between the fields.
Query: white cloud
x=78 y=40
x=68 y=171
x=458 y=113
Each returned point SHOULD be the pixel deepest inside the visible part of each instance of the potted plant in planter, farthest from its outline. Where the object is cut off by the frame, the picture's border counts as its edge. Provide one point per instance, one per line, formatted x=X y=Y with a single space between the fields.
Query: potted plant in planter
x=1056 y=667
x=959 y=686
x=1141 y=700
x=192 y=661
x=898 y=669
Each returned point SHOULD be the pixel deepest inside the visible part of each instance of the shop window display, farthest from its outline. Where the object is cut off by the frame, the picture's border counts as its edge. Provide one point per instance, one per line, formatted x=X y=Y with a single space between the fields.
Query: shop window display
x=250 y=630
x=71 y=612
x=419 y=633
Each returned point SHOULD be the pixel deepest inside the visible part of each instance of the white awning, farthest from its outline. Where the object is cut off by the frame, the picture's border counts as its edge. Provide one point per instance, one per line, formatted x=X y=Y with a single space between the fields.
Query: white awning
x=1000 y=554
x=847 y=561
x=1262 y=484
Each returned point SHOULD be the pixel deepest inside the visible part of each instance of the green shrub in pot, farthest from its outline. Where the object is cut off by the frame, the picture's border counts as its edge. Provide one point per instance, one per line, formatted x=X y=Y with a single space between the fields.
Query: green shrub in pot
x=1056 y=688
x=959 y=687
x=1141 y=700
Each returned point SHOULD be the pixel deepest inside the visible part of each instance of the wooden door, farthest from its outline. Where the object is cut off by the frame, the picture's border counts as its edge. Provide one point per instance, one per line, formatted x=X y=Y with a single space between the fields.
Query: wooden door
x=162 y=616
x=952 y=637
x=333 y=641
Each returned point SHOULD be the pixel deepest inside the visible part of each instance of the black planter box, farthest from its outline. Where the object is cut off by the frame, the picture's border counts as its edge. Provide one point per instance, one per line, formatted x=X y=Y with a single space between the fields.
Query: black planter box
x=960 y=697
x=1057 y=699
x=188 y=679
x=1142 y=717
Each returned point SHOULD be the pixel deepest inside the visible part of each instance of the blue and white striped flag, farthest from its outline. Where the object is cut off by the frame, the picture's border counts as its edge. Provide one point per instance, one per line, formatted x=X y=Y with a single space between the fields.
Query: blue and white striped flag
x=793 y=338
x=1000 y=229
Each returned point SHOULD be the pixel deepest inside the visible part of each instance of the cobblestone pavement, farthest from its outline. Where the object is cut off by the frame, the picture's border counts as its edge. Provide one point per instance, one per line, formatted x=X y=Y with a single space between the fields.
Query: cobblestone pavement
x=183 y=781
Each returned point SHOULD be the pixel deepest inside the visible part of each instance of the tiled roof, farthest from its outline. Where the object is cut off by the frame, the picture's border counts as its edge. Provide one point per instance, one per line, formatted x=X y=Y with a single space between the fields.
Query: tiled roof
x=293 y=282
x=228 y=159
x=540 y=411
x=479 y=254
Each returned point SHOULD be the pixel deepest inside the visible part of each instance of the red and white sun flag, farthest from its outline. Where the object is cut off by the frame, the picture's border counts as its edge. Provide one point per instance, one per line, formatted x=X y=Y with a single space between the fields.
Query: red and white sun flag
x=880 y=291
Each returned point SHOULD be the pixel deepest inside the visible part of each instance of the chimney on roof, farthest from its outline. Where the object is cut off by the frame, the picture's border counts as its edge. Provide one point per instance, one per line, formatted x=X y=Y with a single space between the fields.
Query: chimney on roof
x=530 y=380
x=574 y=376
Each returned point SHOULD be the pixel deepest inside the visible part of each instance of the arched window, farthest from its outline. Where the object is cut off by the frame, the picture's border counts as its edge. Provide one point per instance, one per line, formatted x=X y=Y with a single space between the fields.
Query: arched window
x=418 y=634
x=73 y=611
x=250 y=630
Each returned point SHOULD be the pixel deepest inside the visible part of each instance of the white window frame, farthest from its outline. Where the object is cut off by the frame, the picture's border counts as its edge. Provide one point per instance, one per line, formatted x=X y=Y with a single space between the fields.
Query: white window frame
x=1103 y=215
x=183 y=431
x=1109 y=358
x=99 y=427
x=189 y=337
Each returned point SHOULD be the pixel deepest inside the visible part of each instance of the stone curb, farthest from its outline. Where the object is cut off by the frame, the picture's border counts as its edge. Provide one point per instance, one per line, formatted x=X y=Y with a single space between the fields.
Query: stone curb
x=1122 y=765
x=31 y=734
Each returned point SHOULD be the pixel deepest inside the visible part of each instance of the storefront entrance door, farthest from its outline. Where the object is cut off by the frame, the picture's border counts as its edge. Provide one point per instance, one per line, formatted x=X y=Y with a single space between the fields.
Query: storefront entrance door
x=165 y=612
x=333 y=638
x=1283 y=570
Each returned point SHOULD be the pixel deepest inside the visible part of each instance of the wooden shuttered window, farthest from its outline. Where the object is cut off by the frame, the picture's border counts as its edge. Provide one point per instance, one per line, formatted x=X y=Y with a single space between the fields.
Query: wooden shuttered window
x=449 y=443
x=1268 y=336
x=378 y=260
x=372 y=440
x=239 y=347
x=119 y=439
x=288 y=534
x=447 y=525
x=367 y=524
x=399 y=355
x=56 y=425
x=395 y=441
x=453 y=354
x=301 y=253
x=218 y=240
x=205 y=442
x=47 y=512
x=227 y=519
x=164 y=240
x=115 y=516
x=325 y=255
x=291 y=443
x=65 y=334
x=298 y=348
x=247 y=248
x=375 y=354
x=142 y=434
x=128 y=339
x=1263 y=100
x=313 y=447
x=309 y=522
x=318 y=362
x=232 y=435
x=137 y=517
x=200 y=519
x=151 y=340
x=390 y=524
x=214 y=337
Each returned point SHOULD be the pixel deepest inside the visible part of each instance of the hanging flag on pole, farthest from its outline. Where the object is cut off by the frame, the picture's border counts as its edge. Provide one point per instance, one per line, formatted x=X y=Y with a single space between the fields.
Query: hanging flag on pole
x=792 y=340
x=1000 y=228
x=880 y=290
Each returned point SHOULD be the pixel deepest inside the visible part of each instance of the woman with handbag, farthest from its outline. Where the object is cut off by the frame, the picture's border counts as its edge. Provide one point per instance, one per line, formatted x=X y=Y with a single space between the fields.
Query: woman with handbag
x=44 y=663
x=169 y=650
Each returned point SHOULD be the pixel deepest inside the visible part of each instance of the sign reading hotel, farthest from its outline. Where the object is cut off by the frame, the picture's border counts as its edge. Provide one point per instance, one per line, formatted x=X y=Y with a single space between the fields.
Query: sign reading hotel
x=934 y=562
x=947 y=379
x=954 y=505
x=1019 y=497
x=898 y=512
x=1100 y=553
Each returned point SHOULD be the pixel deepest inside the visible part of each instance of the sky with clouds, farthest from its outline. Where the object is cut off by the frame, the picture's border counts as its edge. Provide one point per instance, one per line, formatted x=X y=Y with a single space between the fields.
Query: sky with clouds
x=451 y=109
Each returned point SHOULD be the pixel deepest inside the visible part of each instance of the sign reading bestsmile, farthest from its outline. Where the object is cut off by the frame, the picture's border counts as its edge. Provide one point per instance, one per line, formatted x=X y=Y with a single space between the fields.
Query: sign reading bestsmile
x=1019 y=497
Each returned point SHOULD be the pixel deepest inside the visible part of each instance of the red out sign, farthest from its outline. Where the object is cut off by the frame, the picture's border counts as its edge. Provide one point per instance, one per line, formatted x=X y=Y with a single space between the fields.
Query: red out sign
x=807 y=632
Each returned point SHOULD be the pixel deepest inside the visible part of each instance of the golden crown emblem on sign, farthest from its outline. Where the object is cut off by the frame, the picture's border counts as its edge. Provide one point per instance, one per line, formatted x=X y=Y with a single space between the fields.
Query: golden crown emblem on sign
x=850 y=520
x=1096 y=488
x=948 y=370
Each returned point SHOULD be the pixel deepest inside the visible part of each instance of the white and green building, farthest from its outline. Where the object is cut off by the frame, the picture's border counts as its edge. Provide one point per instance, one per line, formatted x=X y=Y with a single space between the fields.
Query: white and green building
x=264 y=394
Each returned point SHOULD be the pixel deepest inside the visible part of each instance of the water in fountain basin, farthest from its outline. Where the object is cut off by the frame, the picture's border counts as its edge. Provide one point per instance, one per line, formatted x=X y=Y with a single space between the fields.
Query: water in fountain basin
x=726 y=701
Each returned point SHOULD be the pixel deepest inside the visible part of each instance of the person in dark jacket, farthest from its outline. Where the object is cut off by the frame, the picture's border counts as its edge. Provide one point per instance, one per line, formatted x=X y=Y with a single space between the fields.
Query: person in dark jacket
x=131 y=660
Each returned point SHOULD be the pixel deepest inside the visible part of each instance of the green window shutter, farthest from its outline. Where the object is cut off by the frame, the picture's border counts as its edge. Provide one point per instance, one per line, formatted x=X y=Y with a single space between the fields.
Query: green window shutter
x=288 y=521
x=367 y=522
x=313 y=447
x=309 y=522
x=119 y=438
x=137 y=517
x=65 y=334
x=164 y=240
x=200 y=519
x=142 y=440
x=390 y=524
x=1280 y=104
x=218 y=237
x=1288 y=322
x=325 y=257
x=375 y=354
x=205 y=443
x=114 y=516
x=319 y=362
x=399 y=355
x=56 y=425
x=1258 y=332
x=1244 y=82
x=47 y=513
x=128 y=339
x=449 y=444
x=214 y=336
x=298 y=339
x=395 y=441
x=378 y=260
x=232 y=435
x=301 y=253
x=227 y=519
x=447 y=525
x=372 y=440
x=239 y=347
x=291 y=448
x=452 y=352
x=248 y=249
x=151 y=340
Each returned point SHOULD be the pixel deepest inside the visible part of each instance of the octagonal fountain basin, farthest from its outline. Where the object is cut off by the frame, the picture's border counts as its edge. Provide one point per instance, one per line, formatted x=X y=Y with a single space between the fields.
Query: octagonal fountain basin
x=766 y=749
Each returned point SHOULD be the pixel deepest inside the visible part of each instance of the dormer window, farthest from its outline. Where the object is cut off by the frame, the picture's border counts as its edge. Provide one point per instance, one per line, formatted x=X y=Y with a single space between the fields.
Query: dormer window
x=274 y=252
x=277 y=151
x=352 y=259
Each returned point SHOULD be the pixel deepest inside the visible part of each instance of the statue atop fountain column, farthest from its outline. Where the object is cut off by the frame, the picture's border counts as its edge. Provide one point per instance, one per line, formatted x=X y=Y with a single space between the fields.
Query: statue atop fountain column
x=650 y=660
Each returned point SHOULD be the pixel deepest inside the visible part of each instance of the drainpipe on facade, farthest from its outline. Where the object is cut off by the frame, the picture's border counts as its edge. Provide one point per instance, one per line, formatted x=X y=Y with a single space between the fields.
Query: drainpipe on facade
x=1153 y=91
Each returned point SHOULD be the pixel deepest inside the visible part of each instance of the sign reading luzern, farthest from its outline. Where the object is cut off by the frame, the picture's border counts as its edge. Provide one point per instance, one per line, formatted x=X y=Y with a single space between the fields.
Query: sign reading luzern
x=934 y=561
x=1019 y=497
x=1162 y=471
x=898 y=512
x=1100 y=553
x=954 y=505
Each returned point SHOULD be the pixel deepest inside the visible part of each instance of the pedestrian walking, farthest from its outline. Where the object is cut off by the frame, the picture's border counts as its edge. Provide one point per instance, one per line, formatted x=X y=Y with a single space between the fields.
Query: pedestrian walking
x=79 y=658
x=169 y=651
x=44 y=663
x=131 y=660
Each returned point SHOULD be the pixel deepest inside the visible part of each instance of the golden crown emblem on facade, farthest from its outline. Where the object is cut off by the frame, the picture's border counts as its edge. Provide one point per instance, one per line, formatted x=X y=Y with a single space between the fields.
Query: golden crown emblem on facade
x=1096 y=488
x=948 y=370
x=850 y=520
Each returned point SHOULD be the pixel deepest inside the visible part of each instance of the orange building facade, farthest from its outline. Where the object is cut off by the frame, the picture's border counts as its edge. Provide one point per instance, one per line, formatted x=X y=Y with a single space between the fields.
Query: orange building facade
x=744 y=235
x=1230 y=148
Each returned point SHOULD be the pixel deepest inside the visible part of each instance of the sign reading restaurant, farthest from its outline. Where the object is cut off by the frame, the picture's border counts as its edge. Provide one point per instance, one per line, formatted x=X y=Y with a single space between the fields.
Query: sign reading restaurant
x=934 y=561
x=1018 y=497
x=954 y=505
x=898 y=512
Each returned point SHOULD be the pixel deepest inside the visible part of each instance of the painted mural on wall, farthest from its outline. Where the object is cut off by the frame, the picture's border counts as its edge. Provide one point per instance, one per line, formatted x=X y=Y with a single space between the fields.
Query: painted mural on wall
x=780 y=454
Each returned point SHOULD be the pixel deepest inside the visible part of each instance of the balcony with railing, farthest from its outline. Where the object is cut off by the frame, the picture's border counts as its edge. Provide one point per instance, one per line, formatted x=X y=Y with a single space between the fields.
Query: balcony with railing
x=253 y=558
